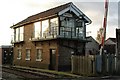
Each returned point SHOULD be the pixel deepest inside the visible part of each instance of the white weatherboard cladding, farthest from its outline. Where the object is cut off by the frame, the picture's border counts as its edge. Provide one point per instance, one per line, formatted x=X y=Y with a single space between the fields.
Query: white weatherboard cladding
x=67 y=9
x=74 y=9
x=63 y=11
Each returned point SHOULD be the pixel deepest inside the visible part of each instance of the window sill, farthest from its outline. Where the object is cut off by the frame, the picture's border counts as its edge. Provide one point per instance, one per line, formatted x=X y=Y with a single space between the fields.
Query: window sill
x=38 y=59
x=17 y=42
x=18 y=58
x=27 y=59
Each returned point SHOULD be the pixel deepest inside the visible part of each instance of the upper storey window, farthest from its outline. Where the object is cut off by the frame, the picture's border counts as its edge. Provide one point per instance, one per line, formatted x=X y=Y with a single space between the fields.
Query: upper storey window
x=45 y=28
x=37 y=29
x=53 y=26
x=19 y=34
x=67 y=20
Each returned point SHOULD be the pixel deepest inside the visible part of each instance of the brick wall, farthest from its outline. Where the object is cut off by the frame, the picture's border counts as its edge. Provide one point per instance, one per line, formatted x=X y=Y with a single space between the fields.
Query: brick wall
x=33 y=45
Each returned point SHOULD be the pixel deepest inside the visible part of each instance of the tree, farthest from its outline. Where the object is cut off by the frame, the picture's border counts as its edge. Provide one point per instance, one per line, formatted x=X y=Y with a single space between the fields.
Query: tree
x=99 y=35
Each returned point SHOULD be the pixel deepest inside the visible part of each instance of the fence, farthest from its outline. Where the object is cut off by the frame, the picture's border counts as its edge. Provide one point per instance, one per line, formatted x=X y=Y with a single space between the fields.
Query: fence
x=83 y=65
x=93 y=64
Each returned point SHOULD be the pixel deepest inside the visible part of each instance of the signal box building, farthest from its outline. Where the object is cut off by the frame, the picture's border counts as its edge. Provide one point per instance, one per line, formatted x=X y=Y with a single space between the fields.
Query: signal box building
x=48 y=39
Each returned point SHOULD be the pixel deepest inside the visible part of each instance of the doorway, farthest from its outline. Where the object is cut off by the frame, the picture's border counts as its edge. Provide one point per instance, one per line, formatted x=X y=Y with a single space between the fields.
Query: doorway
x=52 y=59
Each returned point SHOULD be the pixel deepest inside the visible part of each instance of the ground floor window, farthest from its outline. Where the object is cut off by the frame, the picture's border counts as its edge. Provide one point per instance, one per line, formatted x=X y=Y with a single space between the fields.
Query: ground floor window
x=27 y=54
x=19 y=55
x=39 y=55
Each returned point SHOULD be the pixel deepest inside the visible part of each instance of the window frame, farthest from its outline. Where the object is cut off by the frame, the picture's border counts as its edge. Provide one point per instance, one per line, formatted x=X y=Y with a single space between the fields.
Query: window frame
x=28 y=54
x=54 y=23
x=37 y=29
x=18 y=33
x=19 y=54
x=39 y=54
x=21 y=33
x=45 y=31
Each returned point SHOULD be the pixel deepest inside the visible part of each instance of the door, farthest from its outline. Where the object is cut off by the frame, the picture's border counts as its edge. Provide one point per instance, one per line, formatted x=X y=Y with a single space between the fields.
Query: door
x=52 y=59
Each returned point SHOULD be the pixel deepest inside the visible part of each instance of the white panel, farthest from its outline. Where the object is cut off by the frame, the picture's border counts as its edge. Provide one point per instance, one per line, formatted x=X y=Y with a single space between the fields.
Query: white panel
x=63 y=11
x=75 y=12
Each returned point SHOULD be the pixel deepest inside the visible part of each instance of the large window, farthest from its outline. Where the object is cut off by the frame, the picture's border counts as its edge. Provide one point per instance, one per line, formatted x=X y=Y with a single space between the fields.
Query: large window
x=37 y=29
x=19 y=56
x=67 y=26
x=45 y=28
x=54 y=26
x=67 y=22
x=39 y=55
x=27 y=54
x=19 y=34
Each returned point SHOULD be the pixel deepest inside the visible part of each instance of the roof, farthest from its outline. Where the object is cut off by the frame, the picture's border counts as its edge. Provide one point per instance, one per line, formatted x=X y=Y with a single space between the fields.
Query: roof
x=6 y=46
x=48 y=13
x=91 y=38
x=112 y=39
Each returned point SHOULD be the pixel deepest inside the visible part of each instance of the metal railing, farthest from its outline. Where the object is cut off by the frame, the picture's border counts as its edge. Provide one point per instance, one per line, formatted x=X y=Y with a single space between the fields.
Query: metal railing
x=61 y=32
x=70 y=32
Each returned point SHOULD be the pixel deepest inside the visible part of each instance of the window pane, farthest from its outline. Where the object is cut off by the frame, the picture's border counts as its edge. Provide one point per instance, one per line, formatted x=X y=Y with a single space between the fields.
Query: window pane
x=21 y=33
x=53 y=26
x=67 y=22
x=28 y=54
x=54 y=22
x=19 y=56
x=17 y=34
x=37 y=29
x=45 y=28
x=79 y=32
x=63 y=23
x=79 y=24
x=70 y=22
x=39 y=54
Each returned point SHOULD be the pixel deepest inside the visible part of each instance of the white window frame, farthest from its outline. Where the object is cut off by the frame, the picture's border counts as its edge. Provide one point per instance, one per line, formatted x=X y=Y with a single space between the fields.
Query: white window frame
x=45 y=28
x=37 y=29
x=19 y=54
x=28 y=54
x=39 y=54
x=54 y=26
x=19 y=34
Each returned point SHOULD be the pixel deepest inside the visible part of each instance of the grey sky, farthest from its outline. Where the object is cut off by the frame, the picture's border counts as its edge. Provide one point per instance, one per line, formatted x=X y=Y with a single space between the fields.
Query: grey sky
x=13 y=11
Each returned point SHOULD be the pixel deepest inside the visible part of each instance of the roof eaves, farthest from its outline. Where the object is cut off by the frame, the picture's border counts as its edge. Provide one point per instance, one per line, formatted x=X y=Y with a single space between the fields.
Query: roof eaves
x=17 y=25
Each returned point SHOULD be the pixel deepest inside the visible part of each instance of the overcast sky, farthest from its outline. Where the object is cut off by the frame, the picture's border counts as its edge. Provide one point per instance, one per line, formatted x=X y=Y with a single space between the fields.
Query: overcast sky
x=13 y=11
